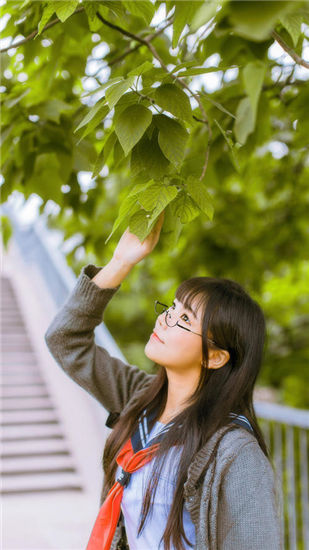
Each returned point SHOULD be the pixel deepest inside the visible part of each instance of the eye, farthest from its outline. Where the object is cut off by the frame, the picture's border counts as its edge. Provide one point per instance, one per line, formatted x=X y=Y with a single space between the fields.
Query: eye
x=186 y=320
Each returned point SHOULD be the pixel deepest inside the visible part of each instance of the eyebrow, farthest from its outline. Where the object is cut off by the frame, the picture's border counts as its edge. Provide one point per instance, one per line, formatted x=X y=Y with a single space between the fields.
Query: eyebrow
x=188 y=308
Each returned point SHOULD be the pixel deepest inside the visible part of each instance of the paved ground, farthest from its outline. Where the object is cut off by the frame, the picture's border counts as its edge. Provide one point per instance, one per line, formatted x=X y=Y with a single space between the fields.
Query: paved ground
x=42 y=522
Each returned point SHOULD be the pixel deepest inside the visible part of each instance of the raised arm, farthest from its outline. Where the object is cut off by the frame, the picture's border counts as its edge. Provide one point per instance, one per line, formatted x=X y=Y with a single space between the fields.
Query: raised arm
x=70 y=337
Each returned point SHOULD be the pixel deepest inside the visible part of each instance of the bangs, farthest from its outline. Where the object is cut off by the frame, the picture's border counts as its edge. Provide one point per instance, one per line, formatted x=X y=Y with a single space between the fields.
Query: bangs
x=191 y=294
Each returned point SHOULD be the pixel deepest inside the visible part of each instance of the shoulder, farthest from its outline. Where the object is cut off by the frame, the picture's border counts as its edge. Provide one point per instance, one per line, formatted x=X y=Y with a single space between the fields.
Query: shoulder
x=238 y=445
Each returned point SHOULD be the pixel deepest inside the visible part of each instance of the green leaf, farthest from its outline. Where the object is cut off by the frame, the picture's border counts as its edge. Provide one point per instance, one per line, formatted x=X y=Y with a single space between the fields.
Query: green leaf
x=205 y=98
x=138 y=224
x=184 y=65
x=172 y=139
x=185 y=208
x=149 y=157
x=166 y=195
x=104 y=154
x=91 y=11
x=254 y=23
x=148 y=199
x=11 y=102
x=196 y=189
x=139 y=188
x=48 y=11
x=146 y=66
x=171 y=228
x=97 y=109
x=131 y=125
x=253 y=77
x=128 y=206
x=142 y=8
x=52 y=109
x=174 y=100
x=46 y=179
x=244 y=123
x=205 y=13
x=184 y=12
x=103 y=86
x=292 y=22
x=114 y=92
x=64 y=9
x=129 y=98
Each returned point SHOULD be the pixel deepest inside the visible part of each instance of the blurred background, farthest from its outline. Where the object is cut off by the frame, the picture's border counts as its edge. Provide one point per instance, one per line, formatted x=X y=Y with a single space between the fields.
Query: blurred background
x=61 y=191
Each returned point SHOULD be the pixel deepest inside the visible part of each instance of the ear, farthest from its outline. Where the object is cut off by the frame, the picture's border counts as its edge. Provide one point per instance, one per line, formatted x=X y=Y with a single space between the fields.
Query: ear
x=218 y=358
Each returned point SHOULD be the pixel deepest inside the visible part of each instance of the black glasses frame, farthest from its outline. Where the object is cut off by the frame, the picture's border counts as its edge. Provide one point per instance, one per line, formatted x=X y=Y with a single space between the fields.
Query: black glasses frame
x=166 y=308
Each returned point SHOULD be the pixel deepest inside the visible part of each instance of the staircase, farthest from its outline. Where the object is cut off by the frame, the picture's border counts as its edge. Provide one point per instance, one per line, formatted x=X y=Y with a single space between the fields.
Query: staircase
x=35 y=457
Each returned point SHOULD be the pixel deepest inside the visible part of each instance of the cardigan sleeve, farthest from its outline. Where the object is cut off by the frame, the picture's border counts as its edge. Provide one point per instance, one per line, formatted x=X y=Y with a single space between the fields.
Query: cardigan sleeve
x=248 y=517
x=70 y=338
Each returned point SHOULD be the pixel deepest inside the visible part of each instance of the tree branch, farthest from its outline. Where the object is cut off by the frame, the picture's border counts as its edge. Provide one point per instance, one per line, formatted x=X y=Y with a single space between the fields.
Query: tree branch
x=139 y=45
x=289 y=50
x=146 y=42
x=34 y=33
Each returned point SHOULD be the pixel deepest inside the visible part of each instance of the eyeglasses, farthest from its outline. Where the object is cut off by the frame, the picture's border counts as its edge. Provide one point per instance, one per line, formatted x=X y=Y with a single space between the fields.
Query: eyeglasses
x=161 y=308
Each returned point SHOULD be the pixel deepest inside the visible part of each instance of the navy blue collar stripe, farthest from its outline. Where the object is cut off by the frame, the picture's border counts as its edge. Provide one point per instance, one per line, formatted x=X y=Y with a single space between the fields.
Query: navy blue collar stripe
x=139 y=438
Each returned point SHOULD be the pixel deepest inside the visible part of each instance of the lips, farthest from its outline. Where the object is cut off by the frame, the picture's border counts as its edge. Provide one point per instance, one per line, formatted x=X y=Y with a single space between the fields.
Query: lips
x=154 y=335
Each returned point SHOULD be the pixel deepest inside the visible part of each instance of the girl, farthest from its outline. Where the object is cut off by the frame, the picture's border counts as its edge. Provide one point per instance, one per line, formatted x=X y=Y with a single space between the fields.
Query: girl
x=186 y=465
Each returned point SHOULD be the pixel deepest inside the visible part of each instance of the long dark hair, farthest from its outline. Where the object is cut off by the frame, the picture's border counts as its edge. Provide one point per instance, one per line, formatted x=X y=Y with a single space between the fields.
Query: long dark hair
x=235 y=322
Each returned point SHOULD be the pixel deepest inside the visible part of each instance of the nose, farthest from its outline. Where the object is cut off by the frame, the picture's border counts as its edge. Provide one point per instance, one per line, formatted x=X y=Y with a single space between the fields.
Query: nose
x=161 y=319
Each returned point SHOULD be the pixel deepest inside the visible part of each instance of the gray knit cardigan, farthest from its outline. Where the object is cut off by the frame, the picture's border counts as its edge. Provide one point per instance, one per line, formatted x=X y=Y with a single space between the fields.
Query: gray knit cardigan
x=233 y=505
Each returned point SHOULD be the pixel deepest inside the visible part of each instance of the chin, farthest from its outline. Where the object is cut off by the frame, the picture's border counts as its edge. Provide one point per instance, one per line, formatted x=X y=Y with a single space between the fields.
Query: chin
x=149 y=352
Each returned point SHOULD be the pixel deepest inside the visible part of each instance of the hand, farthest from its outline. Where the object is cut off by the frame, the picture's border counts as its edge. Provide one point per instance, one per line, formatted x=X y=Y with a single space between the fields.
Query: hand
x=130 y=250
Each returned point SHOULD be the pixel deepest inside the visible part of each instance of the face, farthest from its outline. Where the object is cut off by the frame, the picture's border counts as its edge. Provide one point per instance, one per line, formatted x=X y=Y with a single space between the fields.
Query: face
x=177 y=349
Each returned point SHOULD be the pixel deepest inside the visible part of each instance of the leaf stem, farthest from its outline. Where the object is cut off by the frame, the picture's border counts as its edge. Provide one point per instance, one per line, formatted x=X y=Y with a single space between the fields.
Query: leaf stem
x=289 y=50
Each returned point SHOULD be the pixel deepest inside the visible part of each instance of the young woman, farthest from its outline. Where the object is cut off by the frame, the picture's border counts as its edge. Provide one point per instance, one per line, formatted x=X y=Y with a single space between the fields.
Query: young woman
x=186 y=465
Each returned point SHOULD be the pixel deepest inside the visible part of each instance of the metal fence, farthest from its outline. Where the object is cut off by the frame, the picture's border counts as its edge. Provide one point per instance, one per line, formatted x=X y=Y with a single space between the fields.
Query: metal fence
x=285 y=428
x=286 y=432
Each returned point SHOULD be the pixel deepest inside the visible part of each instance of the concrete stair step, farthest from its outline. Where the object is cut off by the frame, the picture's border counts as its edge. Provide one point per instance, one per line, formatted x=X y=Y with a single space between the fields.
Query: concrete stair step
x=17 y=356
x=17 y=369
x=23 y=391
x=26 y=404
x=36 y=465
x=32 y=483
x=34 y=447
x=16 y=346
x=12 y=338
x=11 y=317
x=28 y=431
x=13 y=417
x=20 y=378
x=10 y=328
x=24 y=383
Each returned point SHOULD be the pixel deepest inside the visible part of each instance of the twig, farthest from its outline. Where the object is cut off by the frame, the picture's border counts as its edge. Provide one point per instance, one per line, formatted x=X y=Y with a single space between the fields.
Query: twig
x=143 y=96
x=146 y=42
x=34 y=33
x=139 y=45
x=289 y=50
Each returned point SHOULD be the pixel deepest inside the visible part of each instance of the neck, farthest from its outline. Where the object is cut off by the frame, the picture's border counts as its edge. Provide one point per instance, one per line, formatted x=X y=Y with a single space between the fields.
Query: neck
x=180 y=388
